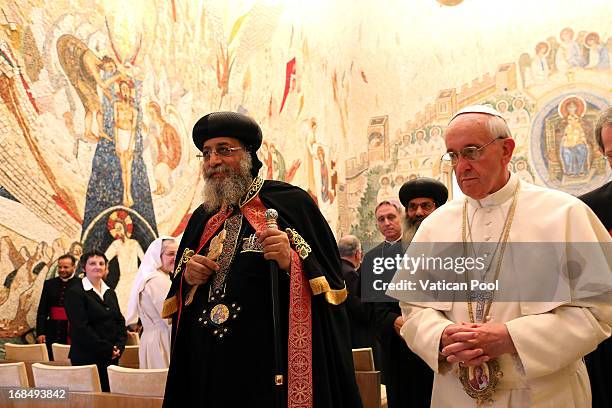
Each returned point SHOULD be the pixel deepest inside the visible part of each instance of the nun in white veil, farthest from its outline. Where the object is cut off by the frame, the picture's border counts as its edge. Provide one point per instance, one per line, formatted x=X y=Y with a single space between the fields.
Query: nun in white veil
x=150 y=288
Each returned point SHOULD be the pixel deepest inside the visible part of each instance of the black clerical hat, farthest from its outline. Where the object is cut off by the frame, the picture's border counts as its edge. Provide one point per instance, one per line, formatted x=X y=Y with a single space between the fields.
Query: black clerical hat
x=230 y=124
x=423 y=187
x=227 y=124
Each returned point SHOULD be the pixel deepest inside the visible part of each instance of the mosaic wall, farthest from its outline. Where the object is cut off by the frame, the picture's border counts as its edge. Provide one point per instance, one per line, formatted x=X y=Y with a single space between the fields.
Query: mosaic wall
x=98 y=99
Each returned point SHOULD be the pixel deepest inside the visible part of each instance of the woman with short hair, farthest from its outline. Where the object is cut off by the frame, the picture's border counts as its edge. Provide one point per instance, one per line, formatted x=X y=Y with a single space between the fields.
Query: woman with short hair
x=97 y=327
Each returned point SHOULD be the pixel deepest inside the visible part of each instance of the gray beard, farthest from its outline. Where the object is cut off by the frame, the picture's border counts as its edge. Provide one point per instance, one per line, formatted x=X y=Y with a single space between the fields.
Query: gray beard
x=410 y=229
x=228 y=190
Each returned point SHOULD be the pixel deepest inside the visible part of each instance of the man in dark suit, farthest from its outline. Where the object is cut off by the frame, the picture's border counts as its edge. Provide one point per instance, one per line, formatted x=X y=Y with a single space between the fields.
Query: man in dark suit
x=600 y=200
x=51 y=320
x=351 y=254
x=408 y=379
x=389 y=223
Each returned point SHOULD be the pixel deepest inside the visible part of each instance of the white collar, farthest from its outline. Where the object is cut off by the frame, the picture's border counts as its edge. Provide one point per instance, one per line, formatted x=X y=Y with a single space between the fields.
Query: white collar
x=87 y=285
x=393 y=242
x=68 y=278
x=499 y=197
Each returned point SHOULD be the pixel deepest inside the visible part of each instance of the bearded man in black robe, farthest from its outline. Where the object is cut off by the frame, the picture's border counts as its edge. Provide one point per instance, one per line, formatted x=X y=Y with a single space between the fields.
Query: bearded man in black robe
x=221 y=302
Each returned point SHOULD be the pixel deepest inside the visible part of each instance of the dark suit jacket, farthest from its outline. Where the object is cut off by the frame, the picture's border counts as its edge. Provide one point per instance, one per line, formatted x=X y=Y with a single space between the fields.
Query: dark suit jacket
x=600 y=201
x=358 y=313
x=599 y=361
x=96 y=325
x=408 y=378
x=52 y=295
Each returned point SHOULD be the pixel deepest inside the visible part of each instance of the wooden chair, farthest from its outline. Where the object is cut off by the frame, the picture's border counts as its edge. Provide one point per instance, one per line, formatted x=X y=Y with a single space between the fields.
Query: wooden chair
x=363 y=359
x=76 y=378
x=373 y=394
x=14 y=375
x=137 y=381
x=369 y=388
x=129 y=358
x=133 y=339
x=383 y=396
x=60 y=352
x=26 y=352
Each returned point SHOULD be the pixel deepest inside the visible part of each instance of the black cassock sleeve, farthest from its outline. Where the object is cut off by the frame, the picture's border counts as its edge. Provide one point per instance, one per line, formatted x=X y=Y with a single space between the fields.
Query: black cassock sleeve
x=43 y=310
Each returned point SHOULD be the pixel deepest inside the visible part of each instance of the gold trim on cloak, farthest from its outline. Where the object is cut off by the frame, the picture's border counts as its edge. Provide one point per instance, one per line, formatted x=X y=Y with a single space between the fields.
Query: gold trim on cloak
x=334 y=296
x=171 y=304
x=187 y=254
x=301 y=246
x=170 y=307
x=252 y=192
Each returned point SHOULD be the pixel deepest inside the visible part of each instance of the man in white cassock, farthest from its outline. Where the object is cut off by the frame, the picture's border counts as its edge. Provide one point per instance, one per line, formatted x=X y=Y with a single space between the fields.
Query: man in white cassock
x=553 y=301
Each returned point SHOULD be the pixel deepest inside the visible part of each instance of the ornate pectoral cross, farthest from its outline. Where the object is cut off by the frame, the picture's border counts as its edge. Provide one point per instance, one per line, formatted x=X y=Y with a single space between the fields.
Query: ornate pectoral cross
x=214 y=250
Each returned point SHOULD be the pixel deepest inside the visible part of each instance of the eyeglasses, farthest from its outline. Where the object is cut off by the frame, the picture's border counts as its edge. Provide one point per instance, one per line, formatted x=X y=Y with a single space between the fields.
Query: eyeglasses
x=470 y=153
x=223 y=151
x=425 y=206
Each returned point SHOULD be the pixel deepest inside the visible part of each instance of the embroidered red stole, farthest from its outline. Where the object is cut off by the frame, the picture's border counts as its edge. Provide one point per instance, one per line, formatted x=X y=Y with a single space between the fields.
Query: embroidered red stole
x=299 y=366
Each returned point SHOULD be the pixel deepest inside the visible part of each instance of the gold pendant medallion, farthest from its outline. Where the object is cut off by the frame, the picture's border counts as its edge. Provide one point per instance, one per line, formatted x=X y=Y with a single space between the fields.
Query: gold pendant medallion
x=479 y=382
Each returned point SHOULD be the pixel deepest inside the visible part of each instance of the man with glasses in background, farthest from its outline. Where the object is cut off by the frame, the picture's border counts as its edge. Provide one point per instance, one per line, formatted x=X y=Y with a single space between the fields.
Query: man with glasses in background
x=529 y=342
x=599 y=362
x=388 y=217
x=407 y=378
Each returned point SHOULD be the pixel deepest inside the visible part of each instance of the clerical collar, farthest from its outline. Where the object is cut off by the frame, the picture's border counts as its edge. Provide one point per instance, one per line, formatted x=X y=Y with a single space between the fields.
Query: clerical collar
x=68 y=278
x=393 y=242
x=499 y=197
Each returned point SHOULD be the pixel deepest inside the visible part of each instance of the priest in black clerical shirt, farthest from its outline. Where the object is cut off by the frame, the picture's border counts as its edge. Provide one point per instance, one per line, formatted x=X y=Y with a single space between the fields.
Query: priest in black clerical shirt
x=51 y=319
